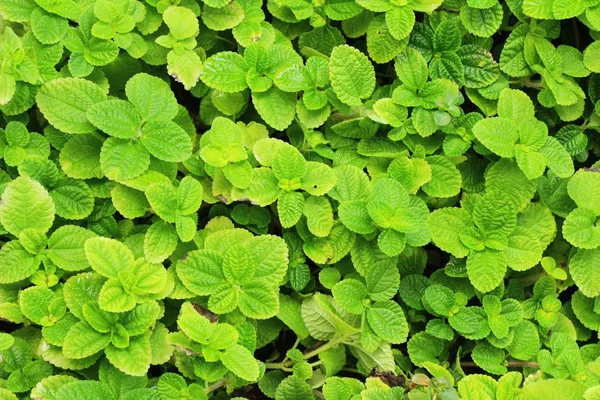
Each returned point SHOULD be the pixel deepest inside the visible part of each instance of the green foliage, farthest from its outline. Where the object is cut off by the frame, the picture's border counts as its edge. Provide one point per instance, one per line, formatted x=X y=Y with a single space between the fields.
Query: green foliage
x=293 y=199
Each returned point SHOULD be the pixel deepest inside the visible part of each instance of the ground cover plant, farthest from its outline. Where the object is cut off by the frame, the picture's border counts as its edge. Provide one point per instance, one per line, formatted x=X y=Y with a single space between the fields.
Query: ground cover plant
x=292 y=199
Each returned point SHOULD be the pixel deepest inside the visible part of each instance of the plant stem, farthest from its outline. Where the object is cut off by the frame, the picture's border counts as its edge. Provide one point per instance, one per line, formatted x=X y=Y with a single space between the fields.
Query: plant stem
x=320 y=349
x=509 y=364
x=288 y=363
x=523 y=364
x=215 y=386
x=528 y=280
x=530 y=84
x=354 y=371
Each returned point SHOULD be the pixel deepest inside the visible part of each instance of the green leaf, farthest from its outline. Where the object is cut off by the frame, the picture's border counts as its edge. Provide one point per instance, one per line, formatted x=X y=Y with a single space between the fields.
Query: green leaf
x=84 y=390
x=400 y=21
x=220 y=19
x=320 y=319
x=411 y=68
x=46 y=27
x=80 y=157
x=171 y=386
x=259 y=302
x=141 y=318
x=8 y=86
x=319 y=215
x=101 y=321
x=184 y=67
x=271 y=257
x=382 y=279
x=495 y=216
x=554 y=389
x=580 y=229
x=482 y=22
x=107 y=256
x=201 y=272
x=584 y=189
x=238 y=265
x=290 y=207
x=447 y=36
x=80 y=289
x=181 y=21
x=6 y=341
x=524 y=249
x=144 y=278
x=352 y=75
x=532 y=164
x=65 y=101
x=26 y=205
x=189 y=195
x=557 y=157
x=129 y=202
x=350 y=295
x=440 y=300
x=446 y=225
x=35 y=302
x=526 y=342
x=319 y=179
x=515 y=105
x=445 y=179
x=583 y=266
x=499 y=135
x=16 y=11
x=134 y=359
x=289 y=164
x=115 y=150
x=381 y=45
x=276 y=107
x=225 y=71
x=118 y=118
x=391 y=242
x=591 y=55
x=387 y=320
x=486 y=269
x=83 y=341
x=115 y=298
x=480 y=68
x=476 y=386
x=193 y=324
x=152 y=98
x=355 y=216
x=224 y=298
x=352 y=184
x=73 y=199
x=160 y=241
x=293 y=388
x=166 y=141
x=162 y=197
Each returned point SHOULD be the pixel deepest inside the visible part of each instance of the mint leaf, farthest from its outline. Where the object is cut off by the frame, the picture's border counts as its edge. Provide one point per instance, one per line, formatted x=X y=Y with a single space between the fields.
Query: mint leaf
x=64 y=102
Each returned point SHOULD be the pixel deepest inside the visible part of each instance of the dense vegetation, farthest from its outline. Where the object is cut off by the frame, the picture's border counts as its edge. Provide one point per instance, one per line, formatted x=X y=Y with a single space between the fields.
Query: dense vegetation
x=336 y=199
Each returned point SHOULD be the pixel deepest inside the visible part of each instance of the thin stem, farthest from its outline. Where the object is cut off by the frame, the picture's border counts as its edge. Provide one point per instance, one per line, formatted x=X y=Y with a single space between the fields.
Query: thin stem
x=528 y=280
x=354 y=371
x=509 y=364
x=534 y=85
x=288 y=363
x=523 y=364
x=530 y=84
x=226 y=41
x=320 y=349
x=215 y=386
x=279 y=365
